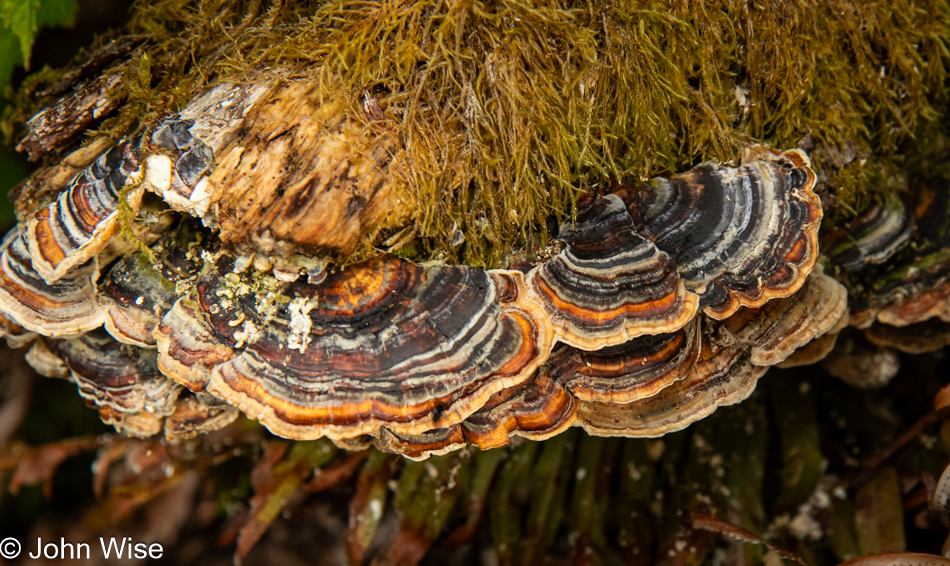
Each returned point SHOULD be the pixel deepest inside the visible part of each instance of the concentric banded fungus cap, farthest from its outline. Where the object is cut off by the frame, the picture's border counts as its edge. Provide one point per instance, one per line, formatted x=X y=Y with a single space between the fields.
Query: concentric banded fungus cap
x=735 y=354
x=45 y=185
x=818 y=349
x=927 y=336
x=739 y=236
x=874 y=236
x=119 y=380
x=924 y=305
x=624 y=373
x=136 y=297
x=76 y=226
x=909 y=293
x=915 y=283
x=66 y=307
x=381 y=343
x=537 y=409
x=773 y=332
x=609 y=284
x=722 y=376
x=423 y=445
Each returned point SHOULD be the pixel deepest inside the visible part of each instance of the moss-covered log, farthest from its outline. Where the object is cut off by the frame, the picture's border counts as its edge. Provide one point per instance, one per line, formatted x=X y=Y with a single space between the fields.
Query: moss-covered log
x=504 y=110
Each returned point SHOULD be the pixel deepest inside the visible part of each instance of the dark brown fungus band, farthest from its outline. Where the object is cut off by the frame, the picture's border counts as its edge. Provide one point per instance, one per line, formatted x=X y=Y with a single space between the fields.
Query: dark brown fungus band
x=630 y=371
x=928 y=336
x=537 y=409
x=722 y=376
x=739 y=236
x=874 y=236
x=381 y=343
x=75 y=227
x=123 y=382
x=65 y=307
x=609 y=284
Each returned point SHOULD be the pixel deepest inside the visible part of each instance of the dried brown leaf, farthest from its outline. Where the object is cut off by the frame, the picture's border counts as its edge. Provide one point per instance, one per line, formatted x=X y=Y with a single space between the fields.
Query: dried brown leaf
x=710 y=523
x=39 y=464
x=902 y=559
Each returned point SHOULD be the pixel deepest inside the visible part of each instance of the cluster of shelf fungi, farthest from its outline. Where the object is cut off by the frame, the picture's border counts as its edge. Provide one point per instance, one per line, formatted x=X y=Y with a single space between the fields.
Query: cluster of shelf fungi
x=178 y=292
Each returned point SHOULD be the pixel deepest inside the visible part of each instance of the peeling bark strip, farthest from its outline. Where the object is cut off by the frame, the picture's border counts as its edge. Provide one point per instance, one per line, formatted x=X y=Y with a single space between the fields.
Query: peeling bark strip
x=303 y=178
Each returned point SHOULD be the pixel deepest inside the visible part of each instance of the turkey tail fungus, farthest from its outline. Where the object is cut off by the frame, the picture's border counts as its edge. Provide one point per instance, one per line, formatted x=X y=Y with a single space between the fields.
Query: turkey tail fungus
x=490 y=273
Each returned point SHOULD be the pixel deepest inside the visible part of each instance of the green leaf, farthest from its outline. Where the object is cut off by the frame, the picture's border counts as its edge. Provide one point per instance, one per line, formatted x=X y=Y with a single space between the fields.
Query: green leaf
x=879 y=514
x=19 y=16
x=57 y=13
x=19 y=22
x=9 y=55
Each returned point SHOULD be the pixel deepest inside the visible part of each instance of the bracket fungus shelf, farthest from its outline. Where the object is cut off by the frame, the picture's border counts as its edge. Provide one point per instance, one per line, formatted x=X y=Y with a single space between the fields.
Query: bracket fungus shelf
x=493 y=281
x=667 y=299
x=739 y=236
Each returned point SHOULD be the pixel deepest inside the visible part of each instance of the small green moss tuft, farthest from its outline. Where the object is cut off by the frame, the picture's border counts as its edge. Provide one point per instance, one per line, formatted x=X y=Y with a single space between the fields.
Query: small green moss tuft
x=125 y=214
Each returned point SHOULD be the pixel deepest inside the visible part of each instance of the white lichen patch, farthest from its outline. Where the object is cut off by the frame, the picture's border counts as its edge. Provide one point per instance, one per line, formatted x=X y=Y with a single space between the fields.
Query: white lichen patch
x=248 y=334
x=300 y=324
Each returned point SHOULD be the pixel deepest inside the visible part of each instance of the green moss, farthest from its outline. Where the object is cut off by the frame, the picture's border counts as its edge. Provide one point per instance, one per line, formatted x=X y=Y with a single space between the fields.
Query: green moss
x=506 y=109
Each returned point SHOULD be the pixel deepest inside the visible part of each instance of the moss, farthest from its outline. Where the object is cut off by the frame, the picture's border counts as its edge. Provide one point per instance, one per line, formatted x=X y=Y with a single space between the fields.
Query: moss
x=507 y=109
x=125 y=213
